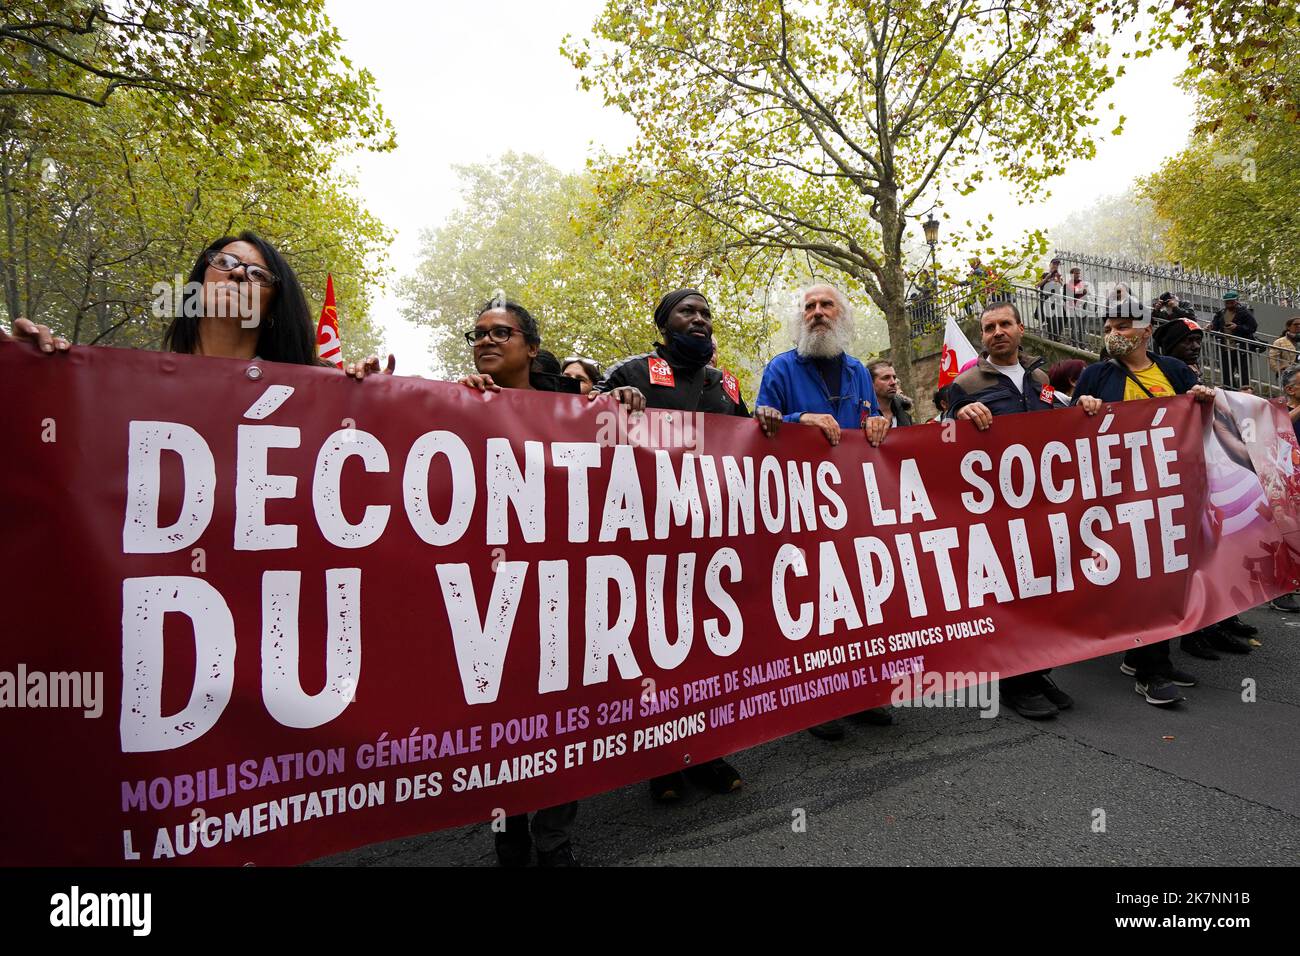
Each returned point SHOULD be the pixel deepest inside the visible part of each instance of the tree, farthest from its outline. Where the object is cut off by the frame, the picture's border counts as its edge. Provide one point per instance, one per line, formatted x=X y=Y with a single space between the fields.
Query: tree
x=1245 y=46
x=231 y=73
x=589 y=254
x=125 y=149
x=823 y=128
x=1123 y=225
x=1229 y=197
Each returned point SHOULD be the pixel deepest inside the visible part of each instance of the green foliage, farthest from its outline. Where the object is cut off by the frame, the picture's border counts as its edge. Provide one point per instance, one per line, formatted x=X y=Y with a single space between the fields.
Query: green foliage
x=1229 y=197
x=1123 y=225
x=823 y=128
x=230 y=74
x=589 y=254
x=1246 y=47
x=125 y=149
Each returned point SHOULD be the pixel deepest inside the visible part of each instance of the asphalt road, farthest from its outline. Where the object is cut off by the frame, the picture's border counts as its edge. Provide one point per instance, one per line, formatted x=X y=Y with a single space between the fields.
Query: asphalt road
x=1214 y=781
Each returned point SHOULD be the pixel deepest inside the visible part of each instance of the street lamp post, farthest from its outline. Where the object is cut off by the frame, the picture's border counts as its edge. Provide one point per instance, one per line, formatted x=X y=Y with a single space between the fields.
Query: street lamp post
x=931 y=227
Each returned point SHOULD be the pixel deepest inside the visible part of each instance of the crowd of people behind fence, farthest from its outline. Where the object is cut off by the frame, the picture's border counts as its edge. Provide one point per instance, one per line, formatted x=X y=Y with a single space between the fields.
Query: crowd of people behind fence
x=245 y=302
x=1070 y=310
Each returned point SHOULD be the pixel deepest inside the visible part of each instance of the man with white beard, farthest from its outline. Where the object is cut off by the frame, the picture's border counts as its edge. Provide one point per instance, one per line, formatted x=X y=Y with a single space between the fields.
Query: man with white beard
x=818 y=383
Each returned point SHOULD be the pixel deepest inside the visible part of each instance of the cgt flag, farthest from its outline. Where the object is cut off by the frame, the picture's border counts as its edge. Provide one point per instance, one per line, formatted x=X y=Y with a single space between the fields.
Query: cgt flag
x=957 y=353
x=328 y=344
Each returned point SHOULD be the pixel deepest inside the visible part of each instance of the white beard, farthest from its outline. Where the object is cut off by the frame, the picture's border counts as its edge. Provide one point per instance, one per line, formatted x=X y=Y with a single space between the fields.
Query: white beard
x=821 y=343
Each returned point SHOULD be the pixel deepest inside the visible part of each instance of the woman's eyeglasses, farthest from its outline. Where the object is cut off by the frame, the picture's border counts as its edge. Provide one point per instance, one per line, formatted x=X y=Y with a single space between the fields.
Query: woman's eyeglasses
x=499 y=334
x=225 y=262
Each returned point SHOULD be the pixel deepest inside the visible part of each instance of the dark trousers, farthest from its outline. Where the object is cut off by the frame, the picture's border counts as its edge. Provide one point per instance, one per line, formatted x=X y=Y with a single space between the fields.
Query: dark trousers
x=1234 y=367
x=1023 y=683
x=551 y=826
x=1150 y=660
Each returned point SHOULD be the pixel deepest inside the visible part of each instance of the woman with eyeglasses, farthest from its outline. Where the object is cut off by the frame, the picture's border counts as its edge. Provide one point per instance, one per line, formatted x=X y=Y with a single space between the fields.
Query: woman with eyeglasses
x=505 y=342
x=252 y=306
x=241 y=300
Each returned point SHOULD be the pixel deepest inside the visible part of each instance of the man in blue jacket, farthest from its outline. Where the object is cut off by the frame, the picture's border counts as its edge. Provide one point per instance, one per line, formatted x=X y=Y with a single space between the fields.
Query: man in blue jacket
x=1006 y=381
x=817 y=383
x=1132 y=373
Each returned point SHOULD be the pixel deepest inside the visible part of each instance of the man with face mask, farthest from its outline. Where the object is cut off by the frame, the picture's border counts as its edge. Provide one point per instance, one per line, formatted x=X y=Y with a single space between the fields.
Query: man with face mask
x=1282 y=353
x=677 y=376
x=1133 y=373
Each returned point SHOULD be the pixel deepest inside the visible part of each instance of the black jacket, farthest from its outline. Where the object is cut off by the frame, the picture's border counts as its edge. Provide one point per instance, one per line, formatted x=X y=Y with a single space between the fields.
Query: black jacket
x=698 y=391
x=1246 y=324
x=1106 y=380
x=1159 y=315
x=902 y=417
x=987 y=385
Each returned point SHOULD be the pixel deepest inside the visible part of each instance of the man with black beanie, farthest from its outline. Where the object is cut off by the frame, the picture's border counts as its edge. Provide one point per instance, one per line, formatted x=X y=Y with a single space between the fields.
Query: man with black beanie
x=1181 y=339
x=677 y=376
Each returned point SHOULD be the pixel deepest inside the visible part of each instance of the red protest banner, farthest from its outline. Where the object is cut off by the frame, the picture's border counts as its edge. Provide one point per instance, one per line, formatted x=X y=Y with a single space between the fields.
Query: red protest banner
x=262 y=613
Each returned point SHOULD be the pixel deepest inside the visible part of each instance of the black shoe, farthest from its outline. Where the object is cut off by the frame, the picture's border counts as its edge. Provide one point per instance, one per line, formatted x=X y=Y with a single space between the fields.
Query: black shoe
x=716 y=775
x=562 y=855
x=668 y=788
x=1221 y=640
x=1181 y=678
x=1287 y=602
x=1158 y=691
x=1059 y=698
x=831 y=730
x=1196 y=645
x=1238 y=628
x=514 y=845
x=876 y=717
x=1031 y=704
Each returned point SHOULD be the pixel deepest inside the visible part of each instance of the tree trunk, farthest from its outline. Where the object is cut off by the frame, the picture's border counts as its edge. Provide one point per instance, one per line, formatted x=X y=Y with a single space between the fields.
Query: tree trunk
x=893 y=289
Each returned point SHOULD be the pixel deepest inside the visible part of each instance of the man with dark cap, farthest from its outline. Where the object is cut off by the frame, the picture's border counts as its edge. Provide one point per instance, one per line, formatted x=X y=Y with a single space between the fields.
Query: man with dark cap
x=677 y=376
x=1237 y=320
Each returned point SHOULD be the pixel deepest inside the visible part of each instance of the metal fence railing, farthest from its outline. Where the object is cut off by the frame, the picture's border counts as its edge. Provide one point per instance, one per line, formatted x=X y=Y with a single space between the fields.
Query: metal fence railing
x=1225 y=359
x=1203 y=291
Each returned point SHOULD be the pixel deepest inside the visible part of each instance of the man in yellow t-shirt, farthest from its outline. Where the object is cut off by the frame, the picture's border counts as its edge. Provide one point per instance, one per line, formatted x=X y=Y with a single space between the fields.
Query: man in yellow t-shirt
x=1134 y=373
x=1152 y=380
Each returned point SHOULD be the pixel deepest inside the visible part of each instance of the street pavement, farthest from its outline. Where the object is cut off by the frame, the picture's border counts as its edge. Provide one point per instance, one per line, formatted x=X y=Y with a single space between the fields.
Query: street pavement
x=1213 y=781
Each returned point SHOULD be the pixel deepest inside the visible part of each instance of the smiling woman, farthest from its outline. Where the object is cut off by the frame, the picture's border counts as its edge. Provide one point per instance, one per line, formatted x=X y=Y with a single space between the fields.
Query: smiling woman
x=505 y=340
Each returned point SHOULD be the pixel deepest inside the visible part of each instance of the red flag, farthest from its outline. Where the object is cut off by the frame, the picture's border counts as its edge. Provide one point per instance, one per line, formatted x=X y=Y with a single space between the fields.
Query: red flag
x=328 y=344
x=957 y=353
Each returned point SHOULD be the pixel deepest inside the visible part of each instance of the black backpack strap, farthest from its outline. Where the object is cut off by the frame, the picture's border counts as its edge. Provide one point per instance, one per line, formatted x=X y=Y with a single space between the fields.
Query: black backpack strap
x=1128 y=372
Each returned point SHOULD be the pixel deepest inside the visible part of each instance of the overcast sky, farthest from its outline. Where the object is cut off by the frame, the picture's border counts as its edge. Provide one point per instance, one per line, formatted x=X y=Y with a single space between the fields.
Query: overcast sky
x=463 y=82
